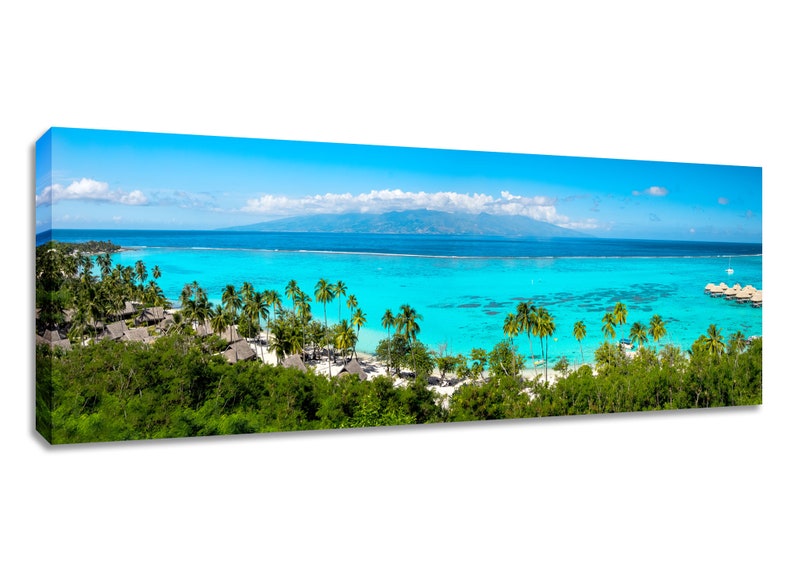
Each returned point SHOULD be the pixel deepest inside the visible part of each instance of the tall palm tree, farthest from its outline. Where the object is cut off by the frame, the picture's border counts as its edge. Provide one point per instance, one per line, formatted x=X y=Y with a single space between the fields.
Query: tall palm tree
x=324 y=293
x=156 y=274
x=579 y=332
x=140 y=272
x=546 y=328
x=511 y=330
x=154 y=295
x=714 y=340
x=104 y=262
x=255 y=308
x=638 y=334
x=232 y=301
x=272 y=299
x=339 y=289
x=345 y=338
x=304 y=314
x=620 y=314
x=657 y=328
x=408 y=324
x=352 y=304
x=219 y=319
x=388 y=321
x=737 y=343
x=291 y=291
x=358 y=320
x=246 y=291
x=527 y=317
x=608 y=327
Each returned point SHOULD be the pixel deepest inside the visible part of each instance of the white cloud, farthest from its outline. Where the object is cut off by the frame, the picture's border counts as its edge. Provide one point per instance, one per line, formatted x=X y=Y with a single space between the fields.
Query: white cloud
x=89 y=189
x=722 y=200
x=652 y=191
x=378 y=201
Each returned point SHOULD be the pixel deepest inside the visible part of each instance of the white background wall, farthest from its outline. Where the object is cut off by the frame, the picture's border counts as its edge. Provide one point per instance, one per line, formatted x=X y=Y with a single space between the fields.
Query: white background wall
x=698 y=492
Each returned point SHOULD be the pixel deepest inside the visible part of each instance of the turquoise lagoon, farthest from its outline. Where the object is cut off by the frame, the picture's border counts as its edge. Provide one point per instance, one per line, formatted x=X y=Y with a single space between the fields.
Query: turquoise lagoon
x=464 y=287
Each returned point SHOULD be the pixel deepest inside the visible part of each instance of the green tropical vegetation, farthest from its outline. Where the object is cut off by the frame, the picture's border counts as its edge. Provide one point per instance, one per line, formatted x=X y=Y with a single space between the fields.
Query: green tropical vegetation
x=179 y=383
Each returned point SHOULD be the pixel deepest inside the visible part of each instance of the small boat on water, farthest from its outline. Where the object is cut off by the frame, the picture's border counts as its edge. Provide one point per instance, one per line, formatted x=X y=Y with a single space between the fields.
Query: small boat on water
x=729 y=270
x=539 y=362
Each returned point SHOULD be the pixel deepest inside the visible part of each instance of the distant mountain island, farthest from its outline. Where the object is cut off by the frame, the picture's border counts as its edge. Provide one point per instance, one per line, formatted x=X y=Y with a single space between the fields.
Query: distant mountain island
x=414 y=222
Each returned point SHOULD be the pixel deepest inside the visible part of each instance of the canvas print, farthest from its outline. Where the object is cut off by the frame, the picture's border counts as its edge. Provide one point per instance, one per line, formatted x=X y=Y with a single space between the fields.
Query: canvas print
x=189 y=286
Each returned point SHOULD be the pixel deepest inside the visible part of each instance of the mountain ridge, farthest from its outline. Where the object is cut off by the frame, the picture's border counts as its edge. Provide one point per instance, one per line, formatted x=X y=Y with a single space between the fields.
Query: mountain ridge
x=413 y=222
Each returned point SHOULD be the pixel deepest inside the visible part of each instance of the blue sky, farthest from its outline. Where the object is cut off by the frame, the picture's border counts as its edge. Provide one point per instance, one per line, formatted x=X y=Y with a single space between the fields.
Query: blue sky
x=128 y=180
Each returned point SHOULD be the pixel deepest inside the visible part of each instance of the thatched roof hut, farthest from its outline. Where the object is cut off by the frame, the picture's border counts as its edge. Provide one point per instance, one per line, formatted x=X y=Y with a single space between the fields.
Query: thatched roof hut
x=294 y=361
x=64 y=343
x=137 y=335
x=230 y=334
x=239 y=350
x=115 y=330
x=709 y=287
x=757 y=298
x=151 y=315
x=353 y=367
x=204 y=329
x=127 y=311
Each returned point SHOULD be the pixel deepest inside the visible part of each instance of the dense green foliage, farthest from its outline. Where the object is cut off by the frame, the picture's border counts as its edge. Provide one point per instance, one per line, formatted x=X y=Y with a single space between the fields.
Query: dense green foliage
x=175 y=388
x=178 y=387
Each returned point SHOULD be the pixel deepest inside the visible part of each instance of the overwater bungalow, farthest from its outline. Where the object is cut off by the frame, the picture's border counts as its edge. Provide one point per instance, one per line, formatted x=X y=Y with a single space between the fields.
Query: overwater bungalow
x=756 y=299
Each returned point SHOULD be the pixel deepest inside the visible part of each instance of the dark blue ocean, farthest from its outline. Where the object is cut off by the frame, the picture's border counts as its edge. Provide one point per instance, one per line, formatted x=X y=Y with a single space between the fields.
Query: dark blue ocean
x=464 y=286
x=408 y=244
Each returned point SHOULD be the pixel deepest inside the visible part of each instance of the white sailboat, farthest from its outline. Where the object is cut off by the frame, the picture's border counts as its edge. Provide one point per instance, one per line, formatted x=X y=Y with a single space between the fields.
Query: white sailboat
x=729 y=270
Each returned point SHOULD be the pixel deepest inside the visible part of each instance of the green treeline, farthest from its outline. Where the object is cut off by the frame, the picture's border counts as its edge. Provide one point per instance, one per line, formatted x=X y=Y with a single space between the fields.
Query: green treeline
x=176 y=387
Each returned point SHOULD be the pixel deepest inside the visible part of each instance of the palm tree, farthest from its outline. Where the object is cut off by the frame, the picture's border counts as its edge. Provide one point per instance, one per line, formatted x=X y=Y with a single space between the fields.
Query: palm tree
x=154 y=295
x=232 y=301
x=345 y=338
x=639 y=334
x=657 y=328
x=140 y=272
x=546 y=328
x=292 y=291
x=324 y=293
x=156 y=274
x=352 y=304
x=388 y=321
x=246 y=291
x=219 y=319
x=272 y=299
x=510 y=328
x=620 y=313
x=737 y=343
x=358 y=320
x=339 y=290
x=255 y=308
x=579 y=332
x=304 y=317
x=608 y=327
x=407 y=324
x=714 y=341
x=527 y=316
x=104 y=263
